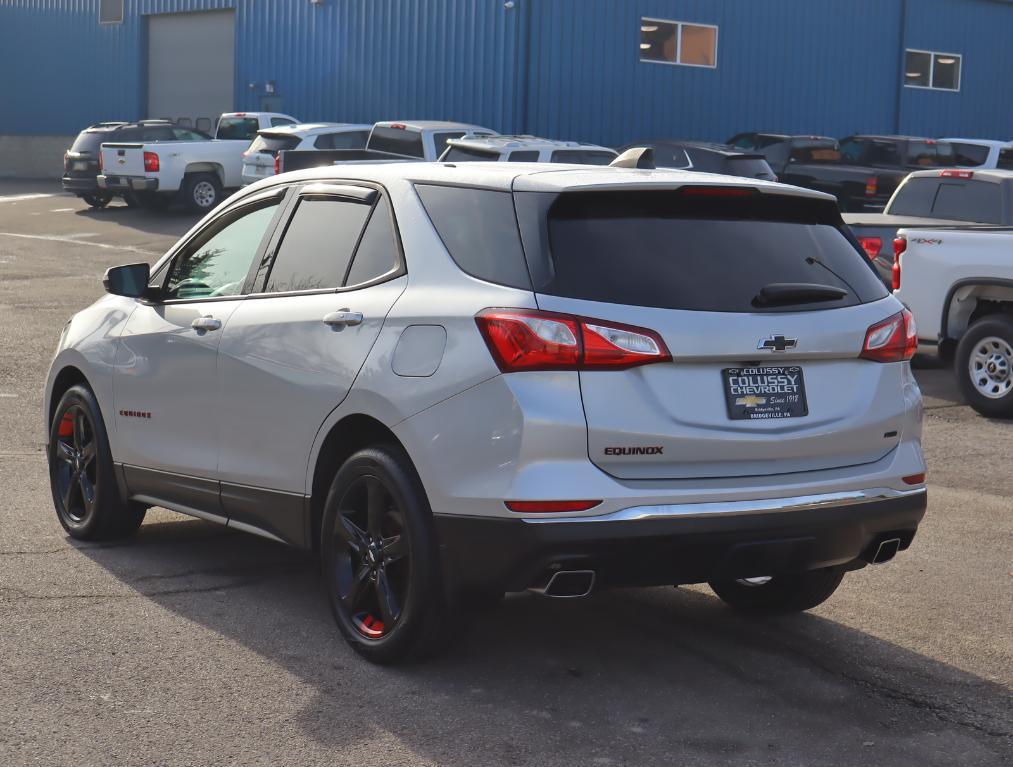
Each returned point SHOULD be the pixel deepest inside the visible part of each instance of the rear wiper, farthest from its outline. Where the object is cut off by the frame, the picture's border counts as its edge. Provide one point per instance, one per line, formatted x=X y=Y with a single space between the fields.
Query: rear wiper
x=780 y=293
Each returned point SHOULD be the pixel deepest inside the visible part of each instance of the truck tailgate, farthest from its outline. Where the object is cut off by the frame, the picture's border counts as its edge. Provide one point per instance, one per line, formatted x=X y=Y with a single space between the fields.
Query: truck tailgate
x=123 y=159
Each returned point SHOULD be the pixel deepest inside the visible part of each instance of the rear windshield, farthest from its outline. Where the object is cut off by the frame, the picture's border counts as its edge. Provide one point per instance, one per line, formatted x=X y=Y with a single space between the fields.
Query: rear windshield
x=815 y=151
x=690 y=250
x=90 y=141
x=238 y=128
x=864 y=151
x=466 y=154
x=583 y=156
x=949 y=198
x=272 y=144
x=971 y=155
x=396 y=141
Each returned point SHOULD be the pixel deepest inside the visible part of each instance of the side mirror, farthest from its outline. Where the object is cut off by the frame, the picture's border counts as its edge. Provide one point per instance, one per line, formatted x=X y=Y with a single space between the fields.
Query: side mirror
x=130 y=280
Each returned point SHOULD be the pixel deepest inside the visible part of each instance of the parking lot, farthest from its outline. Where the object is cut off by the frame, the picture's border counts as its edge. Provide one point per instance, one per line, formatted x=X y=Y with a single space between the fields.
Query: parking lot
x=193 y=644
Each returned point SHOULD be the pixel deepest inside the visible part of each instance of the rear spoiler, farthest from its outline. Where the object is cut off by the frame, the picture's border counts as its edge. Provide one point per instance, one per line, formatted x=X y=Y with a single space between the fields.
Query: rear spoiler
x=121 y=145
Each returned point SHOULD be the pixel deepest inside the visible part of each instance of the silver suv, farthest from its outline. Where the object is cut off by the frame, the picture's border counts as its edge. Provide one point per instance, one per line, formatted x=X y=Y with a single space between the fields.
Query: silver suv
x=456 y=382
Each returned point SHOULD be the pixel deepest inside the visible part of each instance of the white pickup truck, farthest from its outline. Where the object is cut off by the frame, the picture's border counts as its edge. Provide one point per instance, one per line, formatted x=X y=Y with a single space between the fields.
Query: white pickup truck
x=197 y=172
x=958 y=283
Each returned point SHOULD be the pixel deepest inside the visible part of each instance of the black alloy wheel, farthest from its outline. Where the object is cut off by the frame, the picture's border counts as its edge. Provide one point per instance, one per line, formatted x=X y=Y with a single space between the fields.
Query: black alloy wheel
x=380 y=559
x=372 y=558
x=75 y=475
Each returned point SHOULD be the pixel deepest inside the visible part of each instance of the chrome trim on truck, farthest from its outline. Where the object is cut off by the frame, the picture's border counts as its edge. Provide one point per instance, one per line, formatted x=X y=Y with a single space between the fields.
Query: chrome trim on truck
x=738 y=508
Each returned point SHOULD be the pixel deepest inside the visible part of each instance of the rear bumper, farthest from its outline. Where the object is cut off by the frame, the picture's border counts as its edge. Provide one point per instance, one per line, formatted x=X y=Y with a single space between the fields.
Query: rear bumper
x=79 y=185
x=657 y=545
x=127 y=183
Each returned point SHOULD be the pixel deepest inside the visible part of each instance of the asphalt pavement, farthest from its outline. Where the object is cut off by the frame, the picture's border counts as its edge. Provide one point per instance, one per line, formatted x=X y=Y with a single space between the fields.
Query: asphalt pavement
x=196 y=645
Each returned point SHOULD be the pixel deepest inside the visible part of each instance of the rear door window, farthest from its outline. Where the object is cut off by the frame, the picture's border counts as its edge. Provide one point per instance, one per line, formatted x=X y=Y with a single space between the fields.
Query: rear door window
x=479 y=229
x=316 y=248
x=397 y=141
x=976 y=201
x=677 y=250
x=377 y=254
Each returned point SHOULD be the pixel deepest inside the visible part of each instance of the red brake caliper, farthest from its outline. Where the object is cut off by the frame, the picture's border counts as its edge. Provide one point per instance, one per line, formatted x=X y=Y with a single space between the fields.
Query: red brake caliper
x=370 y=626
x=66 y=425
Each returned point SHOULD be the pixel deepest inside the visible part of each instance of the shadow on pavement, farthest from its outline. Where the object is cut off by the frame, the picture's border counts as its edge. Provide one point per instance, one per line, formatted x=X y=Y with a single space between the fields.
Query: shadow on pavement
x=648 y=676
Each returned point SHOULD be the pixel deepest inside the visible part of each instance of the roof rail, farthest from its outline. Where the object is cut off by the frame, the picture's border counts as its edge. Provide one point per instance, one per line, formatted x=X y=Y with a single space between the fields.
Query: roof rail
x=637 y=157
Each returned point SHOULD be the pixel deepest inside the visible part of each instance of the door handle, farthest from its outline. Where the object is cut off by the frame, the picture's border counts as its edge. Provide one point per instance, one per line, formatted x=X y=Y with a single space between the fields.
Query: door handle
x=343 y=318
x=207 y=322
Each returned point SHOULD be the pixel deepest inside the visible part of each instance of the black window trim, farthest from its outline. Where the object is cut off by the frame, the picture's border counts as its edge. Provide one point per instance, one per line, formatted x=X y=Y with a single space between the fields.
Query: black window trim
x=933 y=55
x=317 y=189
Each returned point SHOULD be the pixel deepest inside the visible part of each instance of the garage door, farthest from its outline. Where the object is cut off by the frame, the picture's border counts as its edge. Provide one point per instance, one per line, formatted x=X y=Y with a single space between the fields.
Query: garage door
x=191 y=64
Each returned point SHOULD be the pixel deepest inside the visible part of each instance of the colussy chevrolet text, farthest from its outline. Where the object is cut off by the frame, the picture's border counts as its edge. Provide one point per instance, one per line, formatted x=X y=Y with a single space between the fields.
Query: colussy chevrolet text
x=455 y=382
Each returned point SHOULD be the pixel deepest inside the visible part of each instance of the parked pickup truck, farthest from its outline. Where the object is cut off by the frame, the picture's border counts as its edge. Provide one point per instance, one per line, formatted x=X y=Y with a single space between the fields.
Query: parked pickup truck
x=197 y=172
x=958 y=283
x=860 y=171
x=934 y=199
x=389 y=140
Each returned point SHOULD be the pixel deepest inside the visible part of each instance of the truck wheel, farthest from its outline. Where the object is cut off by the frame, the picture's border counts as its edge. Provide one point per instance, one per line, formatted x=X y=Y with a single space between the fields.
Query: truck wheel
x=781 y=593
x=97 y=200
x=984 y=366
x=201 y=192
x=131 y=201
x=380 y=558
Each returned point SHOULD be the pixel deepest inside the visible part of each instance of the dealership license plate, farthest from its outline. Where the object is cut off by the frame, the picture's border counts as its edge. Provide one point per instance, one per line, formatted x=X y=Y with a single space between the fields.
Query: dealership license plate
x=765 y=393
x=80 y=166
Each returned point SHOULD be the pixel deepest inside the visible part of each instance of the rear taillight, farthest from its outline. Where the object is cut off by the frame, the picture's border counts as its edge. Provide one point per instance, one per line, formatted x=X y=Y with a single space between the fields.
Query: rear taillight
x=899 y=246
x=871 y=246
x=66 y=160
x=895 y=339
x=871 y=186
x=99 y=160
x=151 y=164
x=528 y=339
x=277 y=163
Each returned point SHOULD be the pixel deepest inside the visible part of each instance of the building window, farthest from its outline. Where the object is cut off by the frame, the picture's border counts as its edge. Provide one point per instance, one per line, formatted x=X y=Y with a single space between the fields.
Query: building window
x=110 y=12
x=926 y=69
x=678 y=42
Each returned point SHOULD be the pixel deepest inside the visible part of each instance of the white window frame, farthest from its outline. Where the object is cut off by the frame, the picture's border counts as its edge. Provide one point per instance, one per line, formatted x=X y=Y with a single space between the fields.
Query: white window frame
x=933 y=55
x=678 y=42
x=112 y=21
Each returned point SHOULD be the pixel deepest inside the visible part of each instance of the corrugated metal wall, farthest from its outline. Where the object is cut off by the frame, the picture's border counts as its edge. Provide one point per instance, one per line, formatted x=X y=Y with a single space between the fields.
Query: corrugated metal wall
x=562 y=68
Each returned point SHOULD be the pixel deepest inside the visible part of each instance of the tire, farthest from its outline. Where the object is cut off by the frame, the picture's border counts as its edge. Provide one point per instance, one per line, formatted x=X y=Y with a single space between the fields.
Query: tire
x=97 y=200
x=380 y=559
x=153 y=200
x=81 y=474
x=131 y=201
x=202 y=192
x=782 y=593
x=984 y=366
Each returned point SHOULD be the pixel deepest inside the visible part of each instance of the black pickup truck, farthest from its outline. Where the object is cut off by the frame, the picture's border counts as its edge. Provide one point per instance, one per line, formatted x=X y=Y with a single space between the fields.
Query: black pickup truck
x=934 y=199
x=860 y=171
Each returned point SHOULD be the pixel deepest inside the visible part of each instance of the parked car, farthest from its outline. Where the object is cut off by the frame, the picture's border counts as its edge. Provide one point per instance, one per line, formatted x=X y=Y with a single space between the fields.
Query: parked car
x=447 y=409
x=196 y=172
x=81 y=161
x=706 y=158
x=261 y=158
x=525 y=149
x=982 y=154
x=422 y=140
x=860 y=171
x=930 y=199
x=958 y=283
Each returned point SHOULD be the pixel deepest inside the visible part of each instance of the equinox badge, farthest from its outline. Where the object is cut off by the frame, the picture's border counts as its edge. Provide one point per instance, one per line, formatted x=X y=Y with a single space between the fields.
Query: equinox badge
x=777 y=343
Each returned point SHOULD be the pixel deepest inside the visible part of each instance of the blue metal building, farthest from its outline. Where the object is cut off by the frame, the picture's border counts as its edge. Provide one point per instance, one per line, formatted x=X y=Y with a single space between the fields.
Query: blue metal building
x=579 y=69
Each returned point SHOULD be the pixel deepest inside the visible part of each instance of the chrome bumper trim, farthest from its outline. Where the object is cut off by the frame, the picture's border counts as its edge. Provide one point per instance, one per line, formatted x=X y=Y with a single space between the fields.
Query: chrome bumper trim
x=738 y=508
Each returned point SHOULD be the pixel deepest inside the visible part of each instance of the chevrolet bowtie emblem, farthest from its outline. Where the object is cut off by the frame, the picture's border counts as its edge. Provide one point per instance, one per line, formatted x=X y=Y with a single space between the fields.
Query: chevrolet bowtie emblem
x=777 y=343
x=751 y=401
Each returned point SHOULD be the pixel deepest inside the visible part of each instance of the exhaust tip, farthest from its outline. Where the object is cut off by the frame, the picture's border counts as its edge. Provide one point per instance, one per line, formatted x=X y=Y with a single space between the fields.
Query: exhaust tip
x=567 y=584
x=886 y=550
